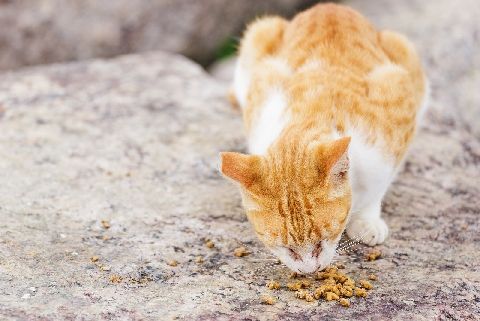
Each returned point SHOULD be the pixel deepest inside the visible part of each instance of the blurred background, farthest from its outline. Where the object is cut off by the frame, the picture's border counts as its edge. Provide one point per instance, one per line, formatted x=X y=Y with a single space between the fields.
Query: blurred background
x=36 y=32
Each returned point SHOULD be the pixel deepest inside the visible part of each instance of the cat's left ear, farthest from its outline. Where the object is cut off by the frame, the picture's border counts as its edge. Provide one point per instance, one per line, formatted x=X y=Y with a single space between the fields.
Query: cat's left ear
x=242 y=168
x=332 y=158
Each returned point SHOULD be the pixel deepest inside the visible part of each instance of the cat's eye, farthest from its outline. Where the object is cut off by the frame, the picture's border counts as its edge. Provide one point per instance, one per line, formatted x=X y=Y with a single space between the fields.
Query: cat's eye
x=317 y=249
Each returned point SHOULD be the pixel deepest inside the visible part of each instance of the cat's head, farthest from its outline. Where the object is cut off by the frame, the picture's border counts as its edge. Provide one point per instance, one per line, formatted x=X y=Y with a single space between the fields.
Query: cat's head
x=298 y=201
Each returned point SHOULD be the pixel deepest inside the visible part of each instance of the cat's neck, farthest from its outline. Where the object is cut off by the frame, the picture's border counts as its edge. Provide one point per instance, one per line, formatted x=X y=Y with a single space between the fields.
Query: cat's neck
x=301 y=133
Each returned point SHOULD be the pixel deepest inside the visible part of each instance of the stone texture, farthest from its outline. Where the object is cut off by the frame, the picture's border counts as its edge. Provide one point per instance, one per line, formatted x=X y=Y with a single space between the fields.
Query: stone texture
x=46 y=31
x=134 y=141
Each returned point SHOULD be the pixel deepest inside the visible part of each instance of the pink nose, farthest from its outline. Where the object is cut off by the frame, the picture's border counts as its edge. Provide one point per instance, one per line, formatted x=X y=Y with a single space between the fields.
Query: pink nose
x=317 y=250
x=295 y=256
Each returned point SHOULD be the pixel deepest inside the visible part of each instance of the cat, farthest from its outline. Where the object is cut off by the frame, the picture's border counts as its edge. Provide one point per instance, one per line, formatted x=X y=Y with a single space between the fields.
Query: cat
x=330 y=106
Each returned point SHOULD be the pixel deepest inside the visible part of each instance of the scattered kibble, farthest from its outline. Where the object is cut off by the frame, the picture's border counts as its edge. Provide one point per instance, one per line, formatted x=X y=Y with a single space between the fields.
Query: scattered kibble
x=172 y=262
x=309 y=297
x=240 y=251
x=361 y=293
x=334 y=286
x=94 y=258
x=295 y=286
x=273 y=285
x=199 y=259
x=344 y=302
x=301 y=294
x=267 y=299
x=372 y=255
x=329 y=296
x=372 y=277
x=105 y=224
x=365 y=284
x=115 y=278
x=105 y=237
x=209 y=244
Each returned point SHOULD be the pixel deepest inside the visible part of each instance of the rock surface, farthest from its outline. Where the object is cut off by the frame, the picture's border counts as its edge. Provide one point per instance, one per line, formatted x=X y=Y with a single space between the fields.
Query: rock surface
x=134 y=141
x=45 y=31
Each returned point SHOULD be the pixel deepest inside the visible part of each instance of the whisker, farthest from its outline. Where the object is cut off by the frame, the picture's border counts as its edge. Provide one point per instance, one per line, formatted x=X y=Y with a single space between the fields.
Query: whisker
x=344 y=247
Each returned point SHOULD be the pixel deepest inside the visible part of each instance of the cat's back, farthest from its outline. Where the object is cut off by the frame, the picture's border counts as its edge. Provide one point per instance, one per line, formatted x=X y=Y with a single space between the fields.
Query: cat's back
x=334 y=34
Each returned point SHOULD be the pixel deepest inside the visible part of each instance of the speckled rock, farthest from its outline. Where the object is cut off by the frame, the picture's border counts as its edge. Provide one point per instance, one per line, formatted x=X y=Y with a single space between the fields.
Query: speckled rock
x=133 y=141
x=45 y=31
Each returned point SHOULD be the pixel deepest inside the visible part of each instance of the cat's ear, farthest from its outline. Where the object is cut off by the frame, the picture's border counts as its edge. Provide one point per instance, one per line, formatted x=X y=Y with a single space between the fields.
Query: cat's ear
x=244 y=169
x=332 y=158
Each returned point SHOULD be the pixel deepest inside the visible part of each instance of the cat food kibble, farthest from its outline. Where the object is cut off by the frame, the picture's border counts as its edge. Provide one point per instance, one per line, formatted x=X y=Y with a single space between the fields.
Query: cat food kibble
x=105 y=224
x=361 y=293
x=240 y=251
x=372 y=277
x=309 y=297
x=372 y=255
x=172 y=262
x=115 y=278
x=344 y=302
x=209 y=244
x=266 y=299
x=94 y=258
x=329 y=296
x=273 y=285
x=330 y=285
x=199 y=259
x=301 y=294
x=365 y=284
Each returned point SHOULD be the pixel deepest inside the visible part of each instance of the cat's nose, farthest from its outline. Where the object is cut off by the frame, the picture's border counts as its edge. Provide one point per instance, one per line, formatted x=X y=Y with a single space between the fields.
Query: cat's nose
x=294 y=255
x=317 y=250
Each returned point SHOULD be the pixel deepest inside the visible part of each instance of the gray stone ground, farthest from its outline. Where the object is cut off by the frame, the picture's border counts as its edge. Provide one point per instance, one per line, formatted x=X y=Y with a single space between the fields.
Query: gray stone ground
x=134 y=141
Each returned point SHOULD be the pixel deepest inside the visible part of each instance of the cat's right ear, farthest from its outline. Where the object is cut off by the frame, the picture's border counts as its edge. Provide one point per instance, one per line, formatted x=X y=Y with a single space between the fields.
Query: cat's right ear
x=241 y=168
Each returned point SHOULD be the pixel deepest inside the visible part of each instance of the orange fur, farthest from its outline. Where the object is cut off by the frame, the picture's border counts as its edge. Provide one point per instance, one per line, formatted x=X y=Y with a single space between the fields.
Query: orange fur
x=337 y=73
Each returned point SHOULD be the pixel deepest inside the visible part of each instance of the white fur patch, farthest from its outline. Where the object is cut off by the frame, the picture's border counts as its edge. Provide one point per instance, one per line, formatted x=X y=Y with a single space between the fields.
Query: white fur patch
x=370 y=172
x=269 y=122
x=241 y=82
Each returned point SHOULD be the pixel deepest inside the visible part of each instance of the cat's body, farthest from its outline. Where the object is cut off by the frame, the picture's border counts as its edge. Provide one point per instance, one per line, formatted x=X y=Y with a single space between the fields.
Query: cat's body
x=330 y=106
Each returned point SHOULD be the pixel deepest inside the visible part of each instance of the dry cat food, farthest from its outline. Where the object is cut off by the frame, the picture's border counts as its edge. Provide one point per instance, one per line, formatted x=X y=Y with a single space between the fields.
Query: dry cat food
x=372 y=255
x=115 y=278
x=273 y=285
x=94 y=258
x=209 y=244
x=267 y=299
x=344 y=302
x=105 y=224
x=199 y=259
x=361 y=293
x=372 y=277
x=172 y=262
x=240 y=251
x=333 y=286
x=365 y=284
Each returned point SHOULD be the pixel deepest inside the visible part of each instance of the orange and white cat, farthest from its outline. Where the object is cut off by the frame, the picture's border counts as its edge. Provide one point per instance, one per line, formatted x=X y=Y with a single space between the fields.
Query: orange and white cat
x=330 y=107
